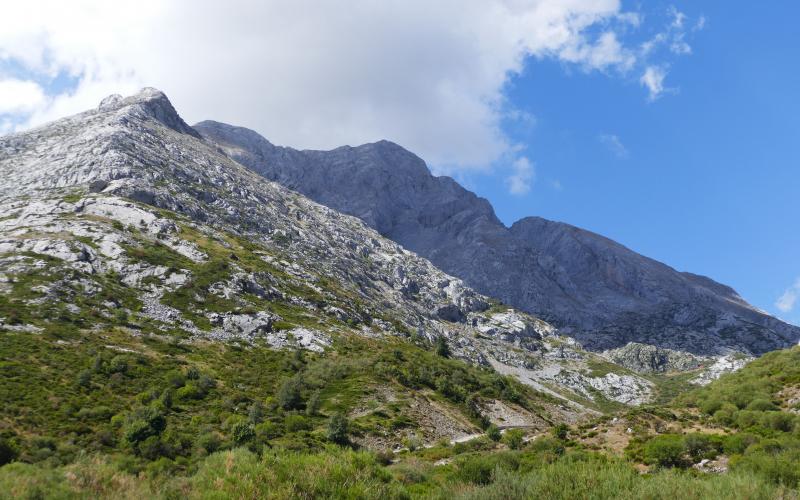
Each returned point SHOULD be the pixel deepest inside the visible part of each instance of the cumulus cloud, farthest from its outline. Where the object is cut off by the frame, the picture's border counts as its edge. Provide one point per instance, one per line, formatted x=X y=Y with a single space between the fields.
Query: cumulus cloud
x=614 y=144
x=522 y=176
x=310 y=73
x=20 y=96
x=787 y=301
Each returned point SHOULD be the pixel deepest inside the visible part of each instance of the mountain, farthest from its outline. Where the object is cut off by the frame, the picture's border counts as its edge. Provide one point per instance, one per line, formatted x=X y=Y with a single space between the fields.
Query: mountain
x=174 y=324
x=149 y=280
x=592 y=288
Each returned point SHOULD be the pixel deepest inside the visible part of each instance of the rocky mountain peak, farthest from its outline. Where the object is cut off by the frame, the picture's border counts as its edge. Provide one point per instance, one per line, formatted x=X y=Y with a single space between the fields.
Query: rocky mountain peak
x=149 y=102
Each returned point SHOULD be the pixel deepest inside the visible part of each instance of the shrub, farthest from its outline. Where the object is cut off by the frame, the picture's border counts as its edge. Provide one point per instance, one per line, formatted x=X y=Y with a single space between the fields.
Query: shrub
x=493 y=433
x=84 y=378
x=761 y=404
x=256 y=412
x=119 y=364
x=8 y=452
x=313 y=404
x=242 y=432
x=778 y=468
x=176 y=379
x=513 y=438
x=338 y=429
x=778 y=421
x=143 y=423
x=739 y=442
x=726 y=414
x=561 y=431
x=290 y=396
x=152 y=448
x=700 y=446
x=294 y=423
x=208 y=441
x=442 y=349
x=665 y=450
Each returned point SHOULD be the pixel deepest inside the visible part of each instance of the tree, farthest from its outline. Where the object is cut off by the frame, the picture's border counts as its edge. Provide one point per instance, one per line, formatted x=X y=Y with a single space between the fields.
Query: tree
x=84 y=378
x=290 y=395
x=256 y=412
x=313 y=404
x=442 y=349
x=513 y=438
x=339 y=429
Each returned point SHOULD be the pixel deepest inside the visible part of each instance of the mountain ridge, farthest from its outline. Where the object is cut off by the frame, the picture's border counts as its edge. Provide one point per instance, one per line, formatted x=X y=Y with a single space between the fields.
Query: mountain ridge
x=591 y=287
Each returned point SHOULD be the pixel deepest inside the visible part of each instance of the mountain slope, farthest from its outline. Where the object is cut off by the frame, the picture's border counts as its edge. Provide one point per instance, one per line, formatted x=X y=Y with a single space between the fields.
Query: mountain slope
x=592 y=288
x=133 y=254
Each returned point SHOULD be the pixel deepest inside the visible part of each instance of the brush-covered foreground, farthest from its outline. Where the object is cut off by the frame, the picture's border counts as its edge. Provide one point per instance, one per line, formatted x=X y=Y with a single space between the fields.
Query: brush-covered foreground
x=226 y=421
x=540 y=471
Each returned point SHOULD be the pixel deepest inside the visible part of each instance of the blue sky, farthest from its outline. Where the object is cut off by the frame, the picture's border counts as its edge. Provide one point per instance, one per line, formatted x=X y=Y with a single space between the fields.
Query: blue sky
x=671 y=127
x=709 y=177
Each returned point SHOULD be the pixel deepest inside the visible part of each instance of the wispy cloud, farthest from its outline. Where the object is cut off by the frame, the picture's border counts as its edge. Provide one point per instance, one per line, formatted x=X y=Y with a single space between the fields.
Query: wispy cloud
x=672 y=39
x=522 y=177
x=614 y=144
x=787 y=301
x=653 y=80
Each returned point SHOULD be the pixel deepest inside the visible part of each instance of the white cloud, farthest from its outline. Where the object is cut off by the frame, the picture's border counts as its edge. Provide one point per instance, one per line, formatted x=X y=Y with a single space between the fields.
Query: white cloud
x=312 y=74
x=671 y=38
x=614 y=144
x=520 y=181
x=653 y=80
x=786 y=302
x=20 y=96
x=678 y=17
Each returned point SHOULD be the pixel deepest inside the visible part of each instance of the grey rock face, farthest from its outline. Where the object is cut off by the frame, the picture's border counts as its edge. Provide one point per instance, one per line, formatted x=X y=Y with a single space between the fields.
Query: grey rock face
x=592 y=288
x=90 y=194
x=645 y=358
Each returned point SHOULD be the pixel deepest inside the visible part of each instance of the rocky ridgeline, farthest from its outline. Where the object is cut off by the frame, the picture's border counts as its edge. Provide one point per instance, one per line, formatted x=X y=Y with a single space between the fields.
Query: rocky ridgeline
x=590 y=287
x=125 y=212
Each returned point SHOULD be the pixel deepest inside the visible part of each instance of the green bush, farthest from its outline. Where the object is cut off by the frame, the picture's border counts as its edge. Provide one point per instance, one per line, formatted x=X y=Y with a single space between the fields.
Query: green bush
x=143 y=423
x=493 y=433
x=700 y=446
x=242 y=432
x=560 y=431
x=665 y=450
x=442 y=348
x=295 y=423
x=513 y=438
x=339 y=429
x=739 y=442
x=290 y=394
x=761 y=404
x=8 y=452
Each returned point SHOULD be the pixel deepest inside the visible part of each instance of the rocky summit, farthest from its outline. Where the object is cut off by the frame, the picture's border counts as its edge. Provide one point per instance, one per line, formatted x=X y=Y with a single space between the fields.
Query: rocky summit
x=592 y=288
